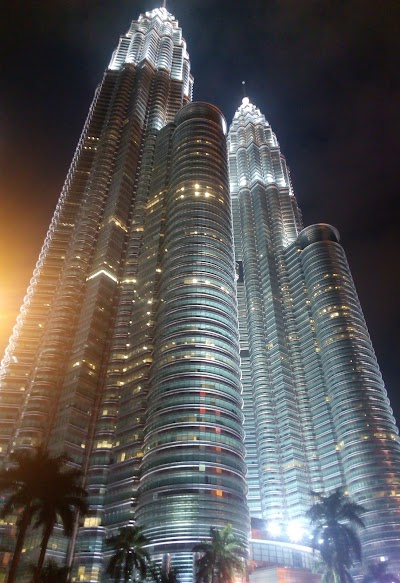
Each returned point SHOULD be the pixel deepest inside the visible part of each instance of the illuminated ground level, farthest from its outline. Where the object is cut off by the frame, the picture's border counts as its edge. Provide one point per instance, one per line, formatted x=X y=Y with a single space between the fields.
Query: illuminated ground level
x=283 y=575
x=267 y=553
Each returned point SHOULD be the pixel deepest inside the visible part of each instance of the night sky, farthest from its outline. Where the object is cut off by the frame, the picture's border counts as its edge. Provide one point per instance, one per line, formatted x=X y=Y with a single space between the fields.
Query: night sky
x=324 y=72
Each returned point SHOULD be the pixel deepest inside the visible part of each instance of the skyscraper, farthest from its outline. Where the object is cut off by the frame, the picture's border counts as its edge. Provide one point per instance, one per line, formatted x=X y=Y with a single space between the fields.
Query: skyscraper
x=137 y=270
x=126 y=354
x=316 y=412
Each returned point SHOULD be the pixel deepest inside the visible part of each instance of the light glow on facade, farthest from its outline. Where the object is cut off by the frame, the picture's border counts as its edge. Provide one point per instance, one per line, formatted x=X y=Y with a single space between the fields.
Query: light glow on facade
x=317 y=417
x=186 y=341
x=126 y=353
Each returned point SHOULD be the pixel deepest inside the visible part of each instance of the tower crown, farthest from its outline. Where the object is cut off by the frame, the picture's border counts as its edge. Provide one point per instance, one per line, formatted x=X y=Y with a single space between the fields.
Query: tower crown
x=248 y=113
x=157 y=38
x=161 y=12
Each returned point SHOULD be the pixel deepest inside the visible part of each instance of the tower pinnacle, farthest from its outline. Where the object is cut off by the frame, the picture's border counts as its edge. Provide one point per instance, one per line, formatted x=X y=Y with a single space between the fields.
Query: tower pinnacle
x=245 y=100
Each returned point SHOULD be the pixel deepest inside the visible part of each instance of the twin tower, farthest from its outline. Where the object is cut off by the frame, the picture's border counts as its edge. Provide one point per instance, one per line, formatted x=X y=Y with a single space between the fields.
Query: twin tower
x=185 y=341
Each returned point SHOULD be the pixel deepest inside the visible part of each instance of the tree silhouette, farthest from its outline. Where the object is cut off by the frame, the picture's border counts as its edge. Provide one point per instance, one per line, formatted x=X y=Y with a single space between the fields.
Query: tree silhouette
x=52 y=572
x=164 y=574
x=40 y=488
x=130 y=556
x=378 y=573
x=334 y=537
x=221 y=558
x=61 y=499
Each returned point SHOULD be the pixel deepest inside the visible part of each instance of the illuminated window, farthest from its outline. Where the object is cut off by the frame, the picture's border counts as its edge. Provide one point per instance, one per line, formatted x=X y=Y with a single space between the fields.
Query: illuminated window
x=92 y=521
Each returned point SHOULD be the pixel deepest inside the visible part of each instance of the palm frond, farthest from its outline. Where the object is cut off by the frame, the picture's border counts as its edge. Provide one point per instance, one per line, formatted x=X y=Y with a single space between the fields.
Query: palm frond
x=338 y=543
x=129 y=553
x=222 y=557
x=45 y=487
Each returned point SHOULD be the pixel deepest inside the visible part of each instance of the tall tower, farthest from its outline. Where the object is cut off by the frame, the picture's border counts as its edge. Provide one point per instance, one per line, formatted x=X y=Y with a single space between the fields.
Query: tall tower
x=193 y=471
x=317 y=416
x=126 y=354
x=72 y=297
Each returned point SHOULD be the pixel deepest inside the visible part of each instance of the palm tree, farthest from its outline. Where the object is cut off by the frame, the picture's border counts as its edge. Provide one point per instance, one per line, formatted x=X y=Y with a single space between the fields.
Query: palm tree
x=22 y=481
x=334 y=537
x=62 y=499
x=221 y=558
x=377 y=573
x=18 y=480
x=164 y=574
x=52 y=572
x=33 y=482
x=129 y=556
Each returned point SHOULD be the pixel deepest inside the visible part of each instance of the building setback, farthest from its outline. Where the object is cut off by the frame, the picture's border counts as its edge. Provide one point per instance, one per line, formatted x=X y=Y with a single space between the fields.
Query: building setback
x=138 y=269
x=126 y=353
x=317 y=417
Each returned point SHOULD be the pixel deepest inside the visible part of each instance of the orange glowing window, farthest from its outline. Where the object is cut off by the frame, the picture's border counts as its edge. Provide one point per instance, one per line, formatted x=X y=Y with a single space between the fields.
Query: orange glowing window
x=218 y=492
x=202 y=410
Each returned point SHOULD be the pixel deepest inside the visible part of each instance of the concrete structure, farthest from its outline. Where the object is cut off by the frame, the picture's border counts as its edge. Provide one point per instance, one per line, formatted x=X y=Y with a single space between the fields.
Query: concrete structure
x=283 y=575
x=317 y=417
x=126 y=354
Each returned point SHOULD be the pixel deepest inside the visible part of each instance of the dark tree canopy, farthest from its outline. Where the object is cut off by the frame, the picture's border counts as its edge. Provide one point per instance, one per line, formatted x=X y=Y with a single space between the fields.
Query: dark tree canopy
x=43 y=490
x=334 y=536
x=222 y=557
x=130 y=555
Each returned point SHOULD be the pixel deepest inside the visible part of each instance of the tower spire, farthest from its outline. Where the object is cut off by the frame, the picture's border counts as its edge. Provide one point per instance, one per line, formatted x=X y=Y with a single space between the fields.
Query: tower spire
x=245 y=100
x=165 y=4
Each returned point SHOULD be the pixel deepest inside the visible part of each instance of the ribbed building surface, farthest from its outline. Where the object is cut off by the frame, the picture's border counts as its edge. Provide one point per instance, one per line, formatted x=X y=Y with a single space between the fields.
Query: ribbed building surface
x=140 y=247
x=192 y=476
x=160 y=293
x=317 y=415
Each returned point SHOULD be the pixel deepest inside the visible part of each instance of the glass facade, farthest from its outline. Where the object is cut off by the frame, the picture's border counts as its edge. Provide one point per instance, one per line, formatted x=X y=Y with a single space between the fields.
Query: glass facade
x=178 y=310
x=193 y=468
x=126 y=353
x=317 y=415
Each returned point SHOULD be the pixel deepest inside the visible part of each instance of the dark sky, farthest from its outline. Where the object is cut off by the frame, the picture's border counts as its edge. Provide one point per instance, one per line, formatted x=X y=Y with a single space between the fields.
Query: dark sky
x=324 y=72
